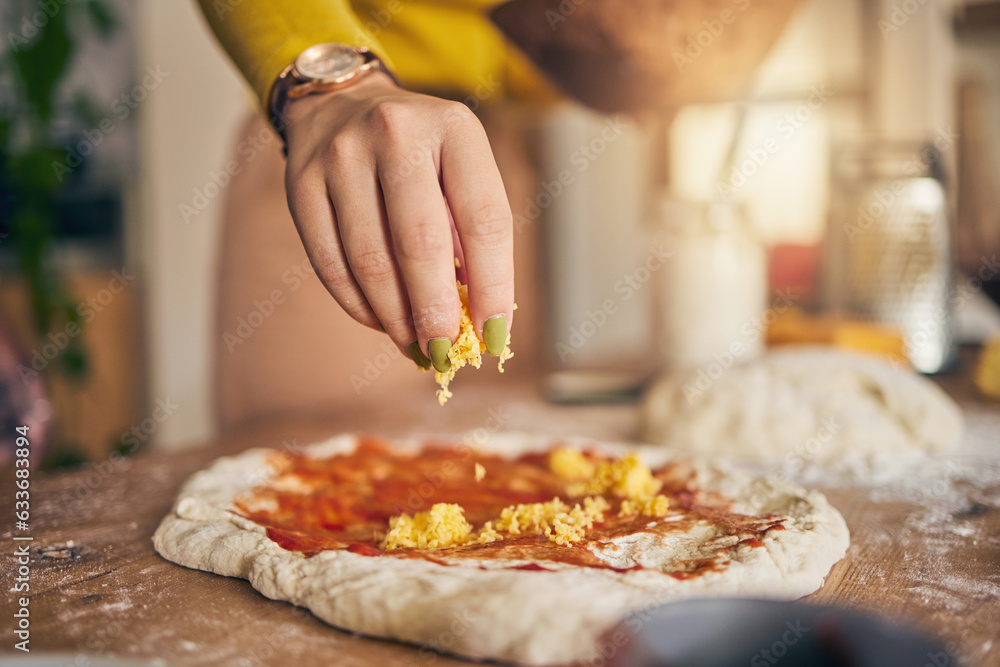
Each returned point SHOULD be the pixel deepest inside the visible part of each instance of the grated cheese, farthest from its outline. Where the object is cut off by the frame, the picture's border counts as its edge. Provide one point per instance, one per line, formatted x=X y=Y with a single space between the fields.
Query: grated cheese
x=554 y=519
x=467 y=349
x=627 y=477
x=650 y=506
x=488 y=534
x=444 y=525
x=571 y=464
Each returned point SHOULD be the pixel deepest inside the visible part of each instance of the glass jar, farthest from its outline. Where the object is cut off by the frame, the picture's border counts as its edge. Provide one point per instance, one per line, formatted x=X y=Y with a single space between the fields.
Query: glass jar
x=714 y=288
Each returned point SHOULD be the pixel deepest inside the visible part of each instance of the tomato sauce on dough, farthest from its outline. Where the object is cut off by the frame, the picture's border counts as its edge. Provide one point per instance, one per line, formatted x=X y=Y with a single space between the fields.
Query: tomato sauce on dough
x=345 y=501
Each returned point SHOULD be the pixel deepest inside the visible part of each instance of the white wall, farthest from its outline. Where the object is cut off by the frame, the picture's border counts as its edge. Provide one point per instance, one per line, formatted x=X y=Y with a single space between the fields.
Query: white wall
x=186 y=127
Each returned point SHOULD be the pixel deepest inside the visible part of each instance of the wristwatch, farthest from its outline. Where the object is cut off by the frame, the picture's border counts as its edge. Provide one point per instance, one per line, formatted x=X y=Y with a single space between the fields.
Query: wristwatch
x=320 y=69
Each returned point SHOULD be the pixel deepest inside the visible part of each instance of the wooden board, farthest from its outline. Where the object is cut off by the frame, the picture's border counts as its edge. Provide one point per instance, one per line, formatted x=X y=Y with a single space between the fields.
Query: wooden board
x=99 y=589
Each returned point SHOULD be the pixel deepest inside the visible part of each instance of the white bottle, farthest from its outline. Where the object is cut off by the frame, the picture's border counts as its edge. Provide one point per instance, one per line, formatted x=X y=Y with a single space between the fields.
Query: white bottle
x=714 y=288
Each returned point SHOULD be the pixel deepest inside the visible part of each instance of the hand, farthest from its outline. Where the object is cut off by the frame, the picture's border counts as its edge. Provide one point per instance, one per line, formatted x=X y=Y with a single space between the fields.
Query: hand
x=375 y=176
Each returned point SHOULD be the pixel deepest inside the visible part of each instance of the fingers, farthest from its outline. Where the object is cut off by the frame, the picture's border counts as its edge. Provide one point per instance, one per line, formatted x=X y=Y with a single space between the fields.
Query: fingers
x=364 y=234
x=314 y=217
x=483 y=219
x=422 y=241
x=460 y=273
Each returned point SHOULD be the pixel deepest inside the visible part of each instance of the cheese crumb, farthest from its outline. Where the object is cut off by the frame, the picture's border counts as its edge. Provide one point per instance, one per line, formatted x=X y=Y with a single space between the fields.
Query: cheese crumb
x=571 y=463
x=467 y=349
x=554 y=519
x=444 y=525
x=488 y=534
x=627 y=477
x=654 y=506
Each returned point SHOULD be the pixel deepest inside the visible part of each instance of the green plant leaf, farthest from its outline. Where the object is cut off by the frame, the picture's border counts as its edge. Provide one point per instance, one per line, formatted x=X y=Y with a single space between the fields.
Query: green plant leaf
x=74 y=362
x=102 y=17
x=43 y=63
x=64 y=456
x=33 y=170
x=85 y=109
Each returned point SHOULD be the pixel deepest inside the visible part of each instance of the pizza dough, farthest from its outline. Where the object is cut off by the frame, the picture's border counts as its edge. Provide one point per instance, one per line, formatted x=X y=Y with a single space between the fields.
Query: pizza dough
x=486 y=609
x=817 y=404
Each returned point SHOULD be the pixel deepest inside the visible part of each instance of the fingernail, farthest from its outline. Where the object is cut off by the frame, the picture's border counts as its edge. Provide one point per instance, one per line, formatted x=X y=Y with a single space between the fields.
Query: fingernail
x=438 y=347
x=495 y=334
x=418 y=356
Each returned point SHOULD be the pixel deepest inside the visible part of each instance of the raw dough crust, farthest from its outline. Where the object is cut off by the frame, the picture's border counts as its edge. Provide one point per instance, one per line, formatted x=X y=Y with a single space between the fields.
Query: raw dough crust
x=531 y=617
x=820 y=404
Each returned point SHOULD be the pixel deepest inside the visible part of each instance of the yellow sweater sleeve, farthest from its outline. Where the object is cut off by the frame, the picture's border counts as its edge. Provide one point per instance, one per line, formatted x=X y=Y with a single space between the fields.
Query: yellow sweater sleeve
x=265 y=36
x=444 y=47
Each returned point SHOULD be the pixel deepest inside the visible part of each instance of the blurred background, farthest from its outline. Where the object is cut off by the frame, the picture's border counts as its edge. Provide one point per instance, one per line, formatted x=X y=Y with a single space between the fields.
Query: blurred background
x=829 y=172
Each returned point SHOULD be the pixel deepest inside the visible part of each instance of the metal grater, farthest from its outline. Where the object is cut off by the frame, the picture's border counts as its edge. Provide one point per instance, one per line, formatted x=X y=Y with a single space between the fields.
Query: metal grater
x=889 y=249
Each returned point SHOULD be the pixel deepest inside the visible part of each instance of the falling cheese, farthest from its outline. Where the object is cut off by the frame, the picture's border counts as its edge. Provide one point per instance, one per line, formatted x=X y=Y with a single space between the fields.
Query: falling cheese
x=467 y=349
x=444 y=525
x=480 y=472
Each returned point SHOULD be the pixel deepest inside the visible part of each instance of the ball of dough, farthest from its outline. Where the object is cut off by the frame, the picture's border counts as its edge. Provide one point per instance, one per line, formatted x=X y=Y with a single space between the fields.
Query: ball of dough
x=820 y=404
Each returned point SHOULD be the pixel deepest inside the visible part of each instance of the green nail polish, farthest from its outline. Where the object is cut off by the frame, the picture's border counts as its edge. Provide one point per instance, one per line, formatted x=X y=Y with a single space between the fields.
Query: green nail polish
x=495 y=334
x=438 y=347
x=413 y=349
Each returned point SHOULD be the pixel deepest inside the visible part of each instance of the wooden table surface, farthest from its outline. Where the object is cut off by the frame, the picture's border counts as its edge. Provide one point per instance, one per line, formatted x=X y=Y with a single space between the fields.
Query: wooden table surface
x=927 y=554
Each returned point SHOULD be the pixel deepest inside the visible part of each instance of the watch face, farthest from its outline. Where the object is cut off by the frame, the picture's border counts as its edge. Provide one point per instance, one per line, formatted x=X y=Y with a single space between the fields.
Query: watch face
x=328 y=61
